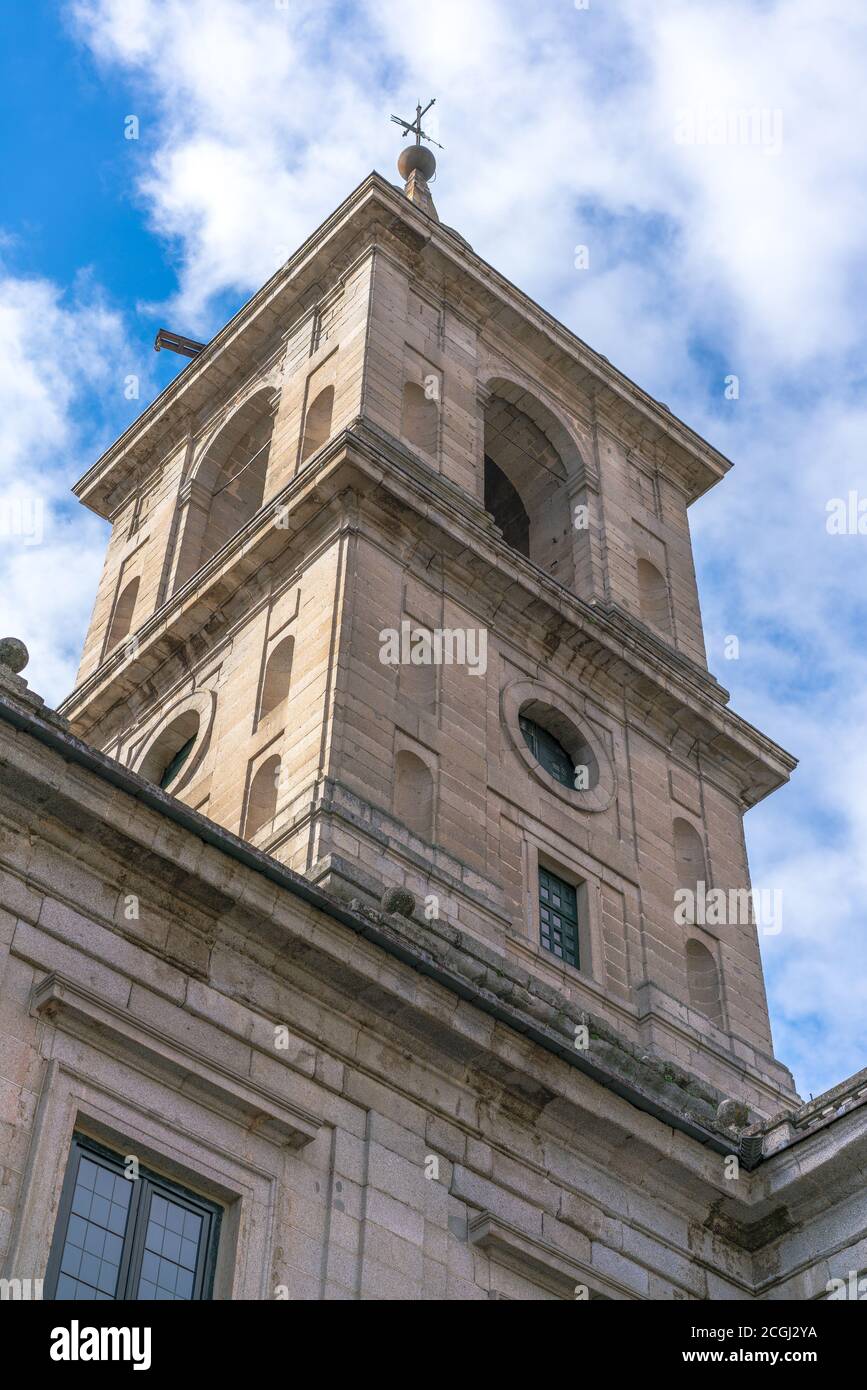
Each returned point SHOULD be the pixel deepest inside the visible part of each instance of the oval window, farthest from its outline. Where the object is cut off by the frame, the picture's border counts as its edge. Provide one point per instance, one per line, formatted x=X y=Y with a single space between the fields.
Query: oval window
x=176 y=762
x=548 y=751
x=172 y=755
x=558 y=746
x=561 y=745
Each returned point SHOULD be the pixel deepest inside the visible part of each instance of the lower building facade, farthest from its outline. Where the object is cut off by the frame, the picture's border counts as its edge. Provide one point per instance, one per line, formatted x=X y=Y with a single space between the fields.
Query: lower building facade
x=220 y=1082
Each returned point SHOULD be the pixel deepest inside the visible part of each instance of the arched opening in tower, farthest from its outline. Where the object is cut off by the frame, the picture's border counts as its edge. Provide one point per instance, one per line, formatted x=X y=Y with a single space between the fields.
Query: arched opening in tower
x=525 y=486
x=503 y=501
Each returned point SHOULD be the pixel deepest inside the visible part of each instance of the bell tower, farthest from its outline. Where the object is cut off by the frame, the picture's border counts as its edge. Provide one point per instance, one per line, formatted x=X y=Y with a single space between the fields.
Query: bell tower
x=400 y=590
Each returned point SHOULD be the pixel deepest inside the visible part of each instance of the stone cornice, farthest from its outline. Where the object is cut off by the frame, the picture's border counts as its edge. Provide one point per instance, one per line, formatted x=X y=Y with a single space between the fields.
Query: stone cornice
x=83 y=1012
x=539 y=1258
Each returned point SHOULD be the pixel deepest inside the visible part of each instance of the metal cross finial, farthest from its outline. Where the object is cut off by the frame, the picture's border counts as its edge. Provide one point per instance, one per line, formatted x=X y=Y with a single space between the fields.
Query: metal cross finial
x=414 y=127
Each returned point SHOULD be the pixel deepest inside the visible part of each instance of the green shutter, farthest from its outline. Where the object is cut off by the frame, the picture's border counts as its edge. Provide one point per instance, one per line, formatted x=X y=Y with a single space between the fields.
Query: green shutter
x=549 y=752
x=173 y=767
x=558 y=917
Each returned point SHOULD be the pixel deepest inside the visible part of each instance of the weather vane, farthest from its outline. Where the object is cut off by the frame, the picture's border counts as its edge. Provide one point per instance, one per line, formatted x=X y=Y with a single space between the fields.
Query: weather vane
x=414 y=127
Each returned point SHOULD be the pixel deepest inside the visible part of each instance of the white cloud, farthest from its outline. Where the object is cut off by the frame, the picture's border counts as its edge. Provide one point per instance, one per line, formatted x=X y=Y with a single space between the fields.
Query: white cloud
x=58 y=354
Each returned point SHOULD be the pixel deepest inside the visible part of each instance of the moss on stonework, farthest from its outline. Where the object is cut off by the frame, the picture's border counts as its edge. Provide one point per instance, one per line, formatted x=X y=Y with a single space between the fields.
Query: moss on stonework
x=482 y=969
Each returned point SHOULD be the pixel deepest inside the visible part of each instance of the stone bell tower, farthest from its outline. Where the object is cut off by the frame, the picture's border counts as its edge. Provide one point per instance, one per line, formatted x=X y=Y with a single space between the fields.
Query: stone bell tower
x=400 y=590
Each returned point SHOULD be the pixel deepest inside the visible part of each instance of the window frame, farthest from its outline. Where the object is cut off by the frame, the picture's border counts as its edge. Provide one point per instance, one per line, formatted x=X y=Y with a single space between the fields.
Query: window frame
x=148 y=1185
x=542 y=873
x=577 y=728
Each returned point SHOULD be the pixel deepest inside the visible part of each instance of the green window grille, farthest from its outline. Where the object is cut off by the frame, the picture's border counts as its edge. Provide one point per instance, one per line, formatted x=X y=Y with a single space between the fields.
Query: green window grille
x=558 y=917
x=549 y=752
x=136 y=1239
x=175 y=764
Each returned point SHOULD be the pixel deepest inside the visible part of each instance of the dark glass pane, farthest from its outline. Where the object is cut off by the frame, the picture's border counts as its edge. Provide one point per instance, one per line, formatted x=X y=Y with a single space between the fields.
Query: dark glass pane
x=107 y=1279
x=172 y=768
x=91 y=1254
x=189 y=1251
x=94 y=1240
x=76 y=1231
x=71 y=1261
x=81 y=1201
x=122 y=1190
x=175 y=1219
x=558 y=917
x=117 y=1218
x=87 y=1173
x=171 y=1244
x=548 y=751
x=104 y=1183
x=99 y=1210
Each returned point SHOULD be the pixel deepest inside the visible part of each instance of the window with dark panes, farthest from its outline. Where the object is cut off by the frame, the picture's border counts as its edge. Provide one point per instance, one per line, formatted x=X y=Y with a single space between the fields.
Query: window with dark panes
x=136 y=1239
x=173 y=767
x=548 y=751
x=558 y=917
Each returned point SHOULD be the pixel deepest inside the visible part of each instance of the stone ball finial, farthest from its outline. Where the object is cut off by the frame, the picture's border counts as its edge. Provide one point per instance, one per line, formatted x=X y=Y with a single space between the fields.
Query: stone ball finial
x=399 y=900
x=417 y=159
x=13 y=654
x=733 y=1114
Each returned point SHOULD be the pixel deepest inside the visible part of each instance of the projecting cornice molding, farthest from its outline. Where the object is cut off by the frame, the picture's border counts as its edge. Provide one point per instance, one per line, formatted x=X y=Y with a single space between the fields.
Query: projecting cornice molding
x=84 y=1014
x=540 y=1259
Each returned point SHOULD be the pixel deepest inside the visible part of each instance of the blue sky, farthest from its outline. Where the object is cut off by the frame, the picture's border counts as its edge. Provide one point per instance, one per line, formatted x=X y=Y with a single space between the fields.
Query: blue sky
x=563 y=127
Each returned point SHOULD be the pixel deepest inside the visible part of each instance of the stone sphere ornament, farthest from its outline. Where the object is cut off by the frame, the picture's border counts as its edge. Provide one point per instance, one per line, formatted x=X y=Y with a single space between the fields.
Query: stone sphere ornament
x=417 y=159
x=13 y=654
x=733 y=1114
x=398 y=900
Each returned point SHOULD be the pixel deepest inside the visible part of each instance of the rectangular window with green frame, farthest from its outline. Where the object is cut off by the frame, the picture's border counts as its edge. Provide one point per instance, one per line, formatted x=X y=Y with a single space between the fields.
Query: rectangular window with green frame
x=558 y=917
x=133 y=1238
